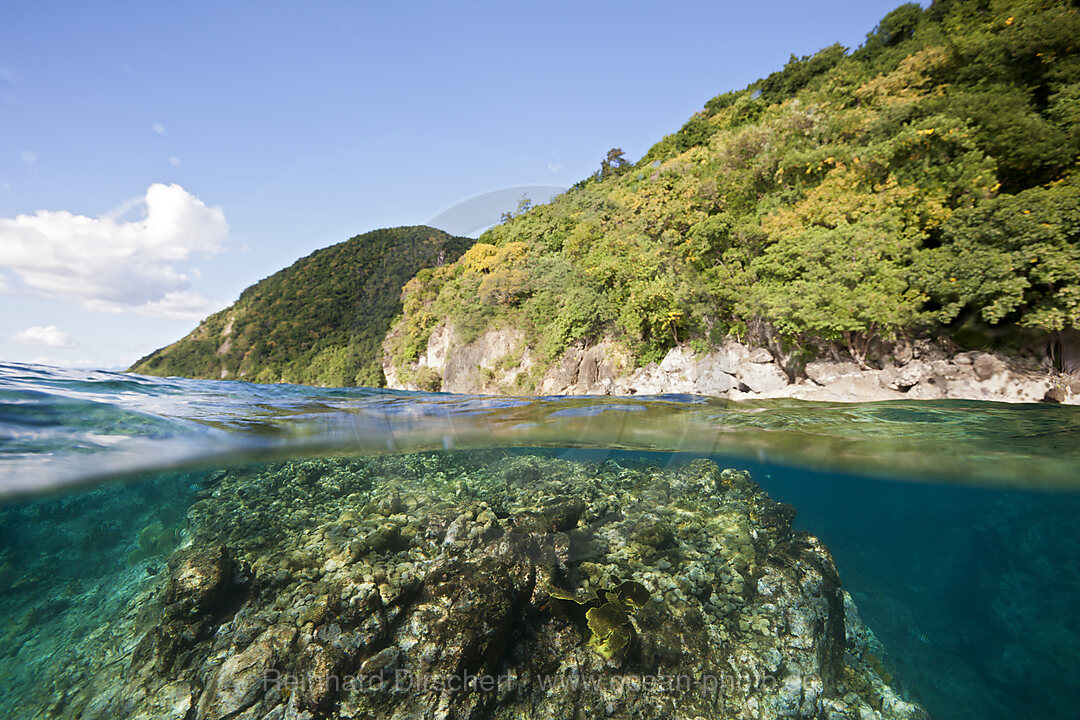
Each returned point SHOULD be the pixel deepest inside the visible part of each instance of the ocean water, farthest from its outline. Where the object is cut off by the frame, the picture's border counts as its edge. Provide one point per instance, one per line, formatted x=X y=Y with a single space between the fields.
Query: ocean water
x=954 y=528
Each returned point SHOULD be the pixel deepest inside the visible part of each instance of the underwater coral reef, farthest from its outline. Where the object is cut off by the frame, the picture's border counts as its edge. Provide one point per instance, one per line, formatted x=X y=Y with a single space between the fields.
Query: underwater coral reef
x=478 y=585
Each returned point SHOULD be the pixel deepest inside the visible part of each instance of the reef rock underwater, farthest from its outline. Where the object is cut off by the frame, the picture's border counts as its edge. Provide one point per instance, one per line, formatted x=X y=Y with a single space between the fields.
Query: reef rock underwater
x=480 y=585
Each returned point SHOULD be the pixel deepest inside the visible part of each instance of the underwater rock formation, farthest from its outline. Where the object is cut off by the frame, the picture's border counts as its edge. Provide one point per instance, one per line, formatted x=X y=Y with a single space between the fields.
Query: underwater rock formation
x=444 y=585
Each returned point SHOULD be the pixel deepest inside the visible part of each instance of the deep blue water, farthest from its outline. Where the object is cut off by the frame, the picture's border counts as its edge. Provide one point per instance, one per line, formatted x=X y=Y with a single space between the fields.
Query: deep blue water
x=974 y=591
x=954 y=525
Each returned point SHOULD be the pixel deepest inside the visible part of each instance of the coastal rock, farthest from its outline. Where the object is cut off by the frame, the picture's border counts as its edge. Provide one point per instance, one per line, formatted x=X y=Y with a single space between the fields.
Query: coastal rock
x=585 y=371
x=486 y=354
x=563 y=375
x=986 y=366
x=760 y=355
x=500 y=362
x=680 y=360
x=762 y=377
x=714 y=381
x=491 y=363
x=599 y=367
x=438 y=347
x=1056 y=394
x=730 y=356
x=825 y=372
x=907 y=377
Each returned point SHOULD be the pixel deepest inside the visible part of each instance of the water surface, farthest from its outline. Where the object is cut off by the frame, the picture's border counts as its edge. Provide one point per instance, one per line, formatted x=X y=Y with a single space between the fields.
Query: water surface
x=954 y=525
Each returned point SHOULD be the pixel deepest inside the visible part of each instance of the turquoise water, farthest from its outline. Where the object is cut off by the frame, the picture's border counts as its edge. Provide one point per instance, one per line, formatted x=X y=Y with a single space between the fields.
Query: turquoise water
x=954 y=526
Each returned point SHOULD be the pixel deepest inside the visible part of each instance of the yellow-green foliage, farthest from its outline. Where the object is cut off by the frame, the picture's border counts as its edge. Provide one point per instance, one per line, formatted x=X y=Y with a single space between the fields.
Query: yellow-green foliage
x=924 y=178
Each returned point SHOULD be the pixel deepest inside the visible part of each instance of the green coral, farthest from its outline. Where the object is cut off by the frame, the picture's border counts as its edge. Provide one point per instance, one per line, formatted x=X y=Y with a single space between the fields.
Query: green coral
x=154 y=539
x=611 y=630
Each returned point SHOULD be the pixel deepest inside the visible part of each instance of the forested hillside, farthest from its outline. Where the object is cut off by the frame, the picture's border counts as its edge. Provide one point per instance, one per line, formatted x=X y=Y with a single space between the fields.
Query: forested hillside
x=319 y=321
x=923 y=182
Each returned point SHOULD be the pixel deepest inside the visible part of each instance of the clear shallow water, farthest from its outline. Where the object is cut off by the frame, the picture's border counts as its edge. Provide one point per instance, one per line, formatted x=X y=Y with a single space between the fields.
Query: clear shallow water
x=954 y=525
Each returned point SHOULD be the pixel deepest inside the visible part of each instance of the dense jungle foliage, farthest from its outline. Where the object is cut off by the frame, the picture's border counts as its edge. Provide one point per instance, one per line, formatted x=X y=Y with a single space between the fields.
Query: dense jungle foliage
x=320 y=321
x=926 y=180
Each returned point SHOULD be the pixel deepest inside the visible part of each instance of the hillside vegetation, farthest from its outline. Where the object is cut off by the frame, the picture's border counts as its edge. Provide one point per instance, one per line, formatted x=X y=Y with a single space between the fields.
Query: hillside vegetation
x=924 y=181
x=320 y=321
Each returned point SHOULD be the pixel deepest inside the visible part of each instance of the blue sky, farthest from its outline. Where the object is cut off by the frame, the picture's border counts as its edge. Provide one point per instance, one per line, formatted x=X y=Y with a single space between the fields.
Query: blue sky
x=157 y=158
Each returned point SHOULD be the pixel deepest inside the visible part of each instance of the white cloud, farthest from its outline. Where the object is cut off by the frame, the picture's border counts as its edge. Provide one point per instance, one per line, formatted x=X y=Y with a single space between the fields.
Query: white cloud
x=554 y=168
x=179 y=305
x=28 y=156
x=174 y=161
x=43 y=335
x=158 y=128
x=113 y=265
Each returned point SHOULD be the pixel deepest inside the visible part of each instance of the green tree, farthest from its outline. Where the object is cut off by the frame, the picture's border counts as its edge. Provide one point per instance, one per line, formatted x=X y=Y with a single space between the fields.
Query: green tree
x=1015 y=258
x=613 y=164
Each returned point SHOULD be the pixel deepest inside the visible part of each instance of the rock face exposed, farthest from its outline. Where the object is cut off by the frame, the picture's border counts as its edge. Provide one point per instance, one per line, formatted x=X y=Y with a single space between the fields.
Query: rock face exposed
x=437 y=586
x=498 y=361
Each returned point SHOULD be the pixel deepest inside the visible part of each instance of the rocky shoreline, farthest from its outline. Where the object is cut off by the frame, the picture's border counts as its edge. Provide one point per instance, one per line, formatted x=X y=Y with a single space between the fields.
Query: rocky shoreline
x=740 y=372
x=485 y=585
x=496 y=362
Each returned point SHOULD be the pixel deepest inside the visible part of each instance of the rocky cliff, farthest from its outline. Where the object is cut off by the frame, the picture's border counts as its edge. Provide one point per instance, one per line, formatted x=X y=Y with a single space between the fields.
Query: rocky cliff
x=499 y=362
